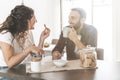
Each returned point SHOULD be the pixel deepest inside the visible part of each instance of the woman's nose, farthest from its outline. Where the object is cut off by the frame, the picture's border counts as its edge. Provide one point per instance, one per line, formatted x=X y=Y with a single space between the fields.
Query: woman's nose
x=35 y=20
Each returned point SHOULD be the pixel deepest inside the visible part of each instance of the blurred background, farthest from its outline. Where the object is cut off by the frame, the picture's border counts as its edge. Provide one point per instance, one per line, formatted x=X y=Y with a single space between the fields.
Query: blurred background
x=103 y=14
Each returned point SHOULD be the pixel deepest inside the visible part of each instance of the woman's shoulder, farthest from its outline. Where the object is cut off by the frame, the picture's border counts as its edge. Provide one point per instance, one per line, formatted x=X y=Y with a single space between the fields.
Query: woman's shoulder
x=5 y=33
x=6 y=36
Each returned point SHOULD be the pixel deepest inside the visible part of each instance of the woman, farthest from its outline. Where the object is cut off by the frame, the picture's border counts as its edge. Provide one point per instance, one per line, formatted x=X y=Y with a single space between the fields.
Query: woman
x=16 y=40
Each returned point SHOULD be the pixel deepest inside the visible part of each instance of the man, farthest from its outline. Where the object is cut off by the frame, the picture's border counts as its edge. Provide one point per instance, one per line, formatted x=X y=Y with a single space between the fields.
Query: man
x=79 y=36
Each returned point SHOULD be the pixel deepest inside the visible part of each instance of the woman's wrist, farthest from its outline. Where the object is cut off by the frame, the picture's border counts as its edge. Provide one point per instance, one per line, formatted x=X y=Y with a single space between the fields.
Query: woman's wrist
x=42 y=39
x=41 y=42
x=25 y=52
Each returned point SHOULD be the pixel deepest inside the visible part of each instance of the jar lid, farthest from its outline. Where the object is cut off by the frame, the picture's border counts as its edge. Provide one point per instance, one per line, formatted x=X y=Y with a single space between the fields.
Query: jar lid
x=36 y=55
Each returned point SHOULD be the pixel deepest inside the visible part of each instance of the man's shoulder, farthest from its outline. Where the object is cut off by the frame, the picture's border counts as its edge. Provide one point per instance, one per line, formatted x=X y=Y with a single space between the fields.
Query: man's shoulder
x=90 y=27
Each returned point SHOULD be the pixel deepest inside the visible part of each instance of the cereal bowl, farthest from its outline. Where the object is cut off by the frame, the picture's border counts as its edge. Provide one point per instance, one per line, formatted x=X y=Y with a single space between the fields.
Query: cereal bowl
x=59 y=63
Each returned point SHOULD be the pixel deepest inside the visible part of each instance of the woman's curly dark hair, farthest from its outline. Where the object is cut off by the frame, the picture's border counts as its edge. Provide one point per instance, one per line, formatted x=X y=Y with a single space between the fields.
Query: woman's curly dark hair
x=17 y=21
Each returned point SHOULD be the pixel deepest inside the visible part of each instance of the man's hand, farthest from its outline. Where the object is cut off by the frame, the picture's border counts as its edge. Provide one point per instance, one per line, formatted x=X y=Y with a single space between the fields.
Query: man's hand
x=72 y=35
x=56 y=55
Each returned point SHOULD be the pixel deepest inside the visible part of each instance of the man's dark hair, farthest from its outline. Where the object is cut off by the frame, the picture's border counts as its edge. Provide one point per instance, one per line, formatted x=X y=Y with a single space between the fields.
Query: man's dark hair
x=80 y=11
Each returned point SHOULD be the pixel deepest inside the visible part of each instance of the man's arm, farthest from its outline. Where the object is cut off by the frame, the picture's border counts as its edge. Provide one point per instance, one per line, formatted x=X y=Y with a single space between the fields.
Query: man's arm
x=92 y=39
x=89 y=36
x=73 y=36
x=57 y=51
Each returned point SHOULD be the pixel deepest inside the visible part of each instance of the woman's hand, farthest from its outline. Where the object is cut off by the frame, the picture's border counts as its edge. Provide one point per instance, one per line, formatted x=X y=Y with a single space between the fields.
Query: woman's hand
x=34 y=49
x=45 y=33
x=43 y=36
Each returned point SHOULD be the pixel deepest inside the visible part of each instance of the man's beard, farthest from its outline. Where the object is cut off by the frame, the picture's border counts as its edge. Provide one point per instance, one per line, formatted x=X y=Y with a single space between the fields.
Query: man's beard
x=77 y=26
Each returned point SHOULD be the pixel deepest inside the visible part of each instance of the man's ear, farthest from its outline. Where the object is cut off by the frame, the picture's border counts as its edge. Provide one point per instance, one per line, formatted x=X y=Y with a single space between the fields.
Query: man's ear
x=83 y=19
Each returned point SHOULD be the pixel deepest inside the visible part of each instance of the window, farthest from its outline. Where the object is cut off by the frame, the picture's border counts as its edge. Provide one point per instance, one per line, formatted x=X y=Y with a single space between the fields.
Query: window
x=102 y=20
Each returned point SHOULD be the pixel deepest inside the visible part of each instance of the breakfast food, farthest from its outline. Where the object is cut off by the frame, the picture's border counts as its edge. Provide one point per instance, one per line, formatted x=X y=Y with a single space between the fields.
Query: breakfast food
x=46 y=44
x=88 y=59
x=35 y=59
x=59 y=63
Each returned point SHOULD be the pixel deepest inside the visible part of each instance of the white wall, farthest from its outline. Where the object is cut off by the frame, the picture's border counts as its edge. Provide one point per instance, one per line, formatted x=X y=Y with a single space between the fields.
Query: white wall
x=46 y=11
x=56 y=19
x=116 y=30
x=69 y=4
x=5 y=8
x=102 y=20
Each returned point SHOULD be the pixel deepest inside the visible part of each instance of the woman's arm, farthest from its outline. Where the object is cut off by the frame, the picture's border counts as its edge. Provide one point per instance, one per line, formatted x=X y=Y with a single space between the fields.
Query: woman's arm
x=43 y=36
x=13 y=59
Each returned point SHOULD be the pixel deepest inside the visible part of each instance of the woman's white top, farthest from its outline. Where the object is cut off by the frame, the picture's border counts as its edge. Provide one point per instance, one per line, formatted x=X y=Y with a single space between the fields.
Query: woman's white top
x=8 y=38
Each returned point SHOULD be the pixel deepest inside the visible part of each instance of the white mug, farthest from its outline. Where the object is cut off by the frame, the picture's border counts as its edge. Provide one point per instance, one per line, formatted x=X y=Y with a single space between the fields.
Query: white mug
x=35 y=66
x=65 y=31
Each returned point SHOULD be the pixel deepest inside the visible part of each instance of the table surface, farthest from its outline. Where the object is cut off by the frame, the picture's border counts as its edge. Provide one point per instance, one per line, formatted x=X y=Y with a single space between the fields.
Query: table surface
x=105 y=71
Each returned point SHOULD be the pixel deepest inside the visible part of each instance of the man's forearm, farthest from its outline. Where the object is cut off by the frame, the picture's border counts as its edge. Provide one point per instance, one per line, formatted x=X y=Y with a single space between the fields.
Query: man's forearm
x=79 y=44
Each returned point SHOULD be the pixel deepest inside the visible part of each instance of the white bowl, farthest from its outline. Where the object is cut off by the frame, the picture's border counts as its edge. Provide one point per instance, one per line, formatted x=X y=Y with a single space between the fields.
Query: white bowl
x=59 y=63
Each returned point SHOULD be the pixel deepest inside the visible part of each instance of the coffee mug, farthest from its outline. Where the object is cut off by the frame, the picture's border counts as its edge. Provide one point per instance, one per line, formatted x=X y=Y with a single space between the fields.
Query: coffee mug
x=35 y=66
x=35 y=63
x=65 y=31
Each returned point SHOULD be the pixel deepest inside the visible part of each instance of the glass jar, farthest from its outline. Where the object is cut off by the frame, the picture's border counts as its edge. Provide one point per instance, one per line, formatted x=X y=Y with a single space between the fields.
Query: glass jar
x=35 y=64
x=35 y=57
x=88 y=57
